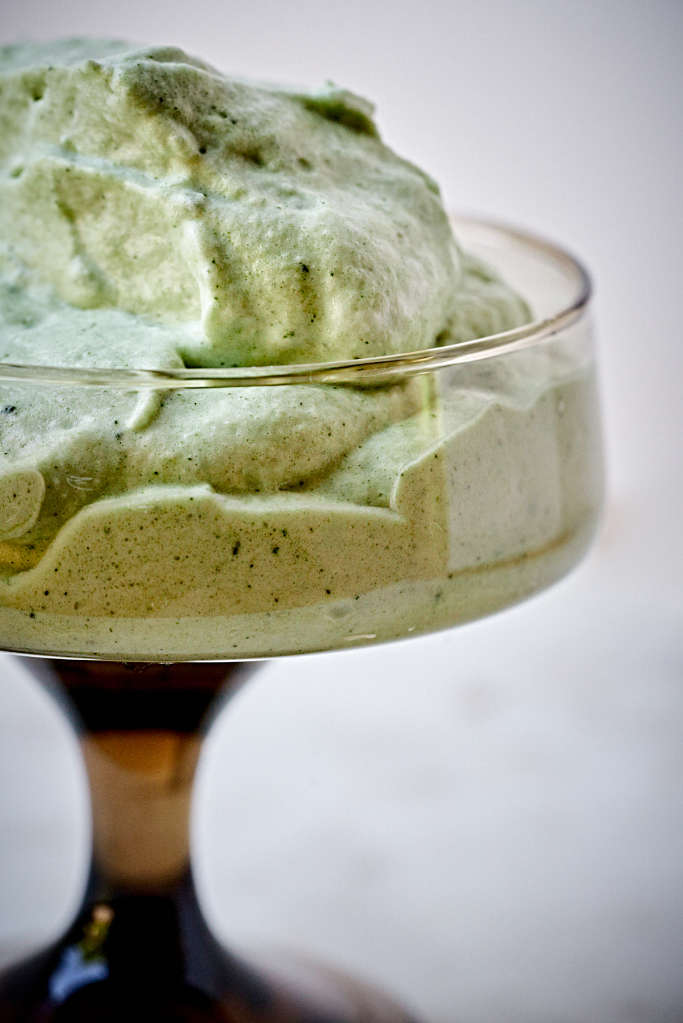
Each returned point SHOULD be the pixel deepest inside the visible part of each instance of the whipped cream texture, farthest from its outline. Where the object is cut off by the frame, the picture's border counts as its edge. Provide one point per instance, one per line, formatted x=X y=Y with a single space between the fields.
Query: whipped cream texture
x=156 y=214
x=264 y=225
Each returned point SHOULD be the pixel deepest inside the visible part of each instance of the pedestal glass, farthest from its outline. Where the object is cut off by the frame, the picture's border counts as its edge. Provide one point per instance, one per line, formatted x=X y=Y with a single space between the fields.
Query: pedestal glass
x=467 y=477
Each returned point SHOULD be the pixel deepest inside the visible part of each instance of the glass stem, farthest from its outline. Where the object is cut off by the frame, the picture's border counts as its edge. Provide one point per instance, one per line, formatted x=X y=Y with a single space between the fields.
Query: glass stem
x=141 y=728
x=140 y=947
x=141 y=787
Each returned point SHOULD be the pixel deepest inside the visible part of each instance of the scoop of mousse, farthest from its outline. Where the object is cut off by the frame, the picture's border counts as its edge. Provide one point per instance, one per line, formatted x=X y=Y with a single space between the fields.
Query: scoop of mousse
x=265 y=225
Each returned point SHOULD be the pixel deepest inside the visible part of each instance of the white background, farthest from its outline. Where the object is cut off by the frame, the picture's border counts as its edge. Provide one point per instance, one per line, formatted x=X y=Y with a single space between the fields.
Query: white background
x=489 y=821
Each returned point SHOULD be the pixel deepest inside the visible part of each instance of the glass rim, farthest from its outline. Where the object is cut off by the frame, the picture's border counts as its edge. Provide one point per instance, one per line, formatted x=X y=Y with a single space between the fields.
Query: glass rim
x=368 y=371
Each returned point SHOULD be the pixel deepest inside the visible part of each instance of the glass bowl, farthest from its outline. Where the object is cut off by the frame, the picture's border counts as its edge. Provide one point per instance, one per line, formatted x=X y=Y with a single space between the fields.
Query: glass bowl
x=348 y=503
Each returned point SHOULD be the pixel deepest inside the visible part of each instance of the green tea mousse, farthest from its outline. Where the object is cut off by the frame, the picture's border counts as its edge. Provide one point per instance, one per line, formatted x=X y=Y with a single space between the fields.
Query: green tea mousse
x=156 y=214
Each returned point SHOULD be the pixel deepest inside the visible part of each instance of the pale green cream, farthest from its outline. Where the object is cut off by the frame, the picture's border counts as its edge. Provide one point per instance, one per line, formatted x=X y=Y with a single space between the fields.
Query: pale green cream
x=265 y=225
x=156 y=214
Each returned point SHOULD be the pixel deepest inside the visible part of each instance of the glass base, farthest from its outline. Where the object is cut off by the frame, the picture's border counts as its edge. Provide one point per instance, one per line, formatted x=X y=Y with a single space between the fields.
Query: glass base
x=153 y=957
x=140 y=948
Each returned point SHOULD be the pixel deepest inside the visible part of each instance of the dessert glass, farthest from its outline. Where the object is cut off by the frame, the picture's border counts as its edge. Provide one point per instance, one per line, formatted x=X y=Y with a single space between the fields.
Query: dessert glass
x=501 y=503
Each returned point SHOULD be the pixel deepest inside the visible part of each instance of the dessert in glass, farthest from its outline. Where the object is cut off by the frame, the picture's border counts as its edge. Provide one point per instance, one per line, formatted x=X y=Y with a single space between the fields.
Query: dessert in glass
x=255 y=400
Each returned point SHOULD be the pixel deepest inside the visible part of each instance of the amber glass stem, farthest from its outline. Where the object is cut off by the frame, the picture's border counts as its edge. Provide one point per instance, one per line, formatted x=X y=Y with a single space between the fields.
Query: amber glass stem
x=140 y=927
x=140 y=948
x=141 y=727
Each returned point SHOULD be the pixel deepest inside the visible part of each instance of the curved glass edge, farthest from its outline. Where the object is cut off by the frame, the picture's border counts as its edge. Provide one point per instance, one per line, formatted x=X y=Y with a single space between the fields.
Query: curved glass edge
x=370 y=372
